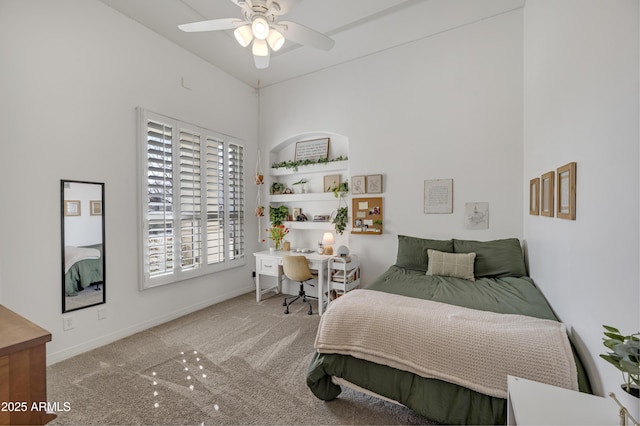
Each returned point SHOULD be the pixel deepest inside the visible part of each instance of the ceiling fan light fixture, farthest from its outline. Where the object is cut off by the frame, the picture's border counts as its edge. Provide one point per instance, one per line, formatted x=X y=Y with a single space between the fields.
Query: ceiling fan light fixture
x=275 y=40
x=243 y=35
x=260 y=27
x=260 y=48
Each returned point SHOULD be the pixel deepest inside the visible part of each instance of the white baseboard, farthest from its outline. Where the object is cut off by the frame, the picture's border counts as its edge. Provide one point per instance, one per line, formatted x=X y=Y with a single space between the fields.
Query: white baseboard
x=58 y=356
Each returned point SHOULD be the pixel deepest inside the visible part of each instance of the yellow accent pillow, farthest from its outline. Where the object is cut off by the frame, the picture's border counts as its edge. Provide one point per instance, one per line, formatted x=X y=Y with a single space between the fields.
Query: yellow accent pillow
x=459 y=265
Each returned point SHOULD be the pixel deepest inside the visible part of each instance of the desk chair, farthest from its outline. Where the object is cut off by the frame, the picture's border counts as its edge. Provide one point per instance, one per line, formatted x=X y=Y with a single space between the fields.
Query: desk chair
x=296 y=269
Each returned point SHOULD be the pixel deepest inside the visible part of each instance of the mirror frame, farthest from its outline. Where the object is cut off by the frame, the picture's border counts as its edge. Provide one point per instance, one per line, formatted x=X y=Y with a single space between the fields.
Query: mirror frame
x=63 y=183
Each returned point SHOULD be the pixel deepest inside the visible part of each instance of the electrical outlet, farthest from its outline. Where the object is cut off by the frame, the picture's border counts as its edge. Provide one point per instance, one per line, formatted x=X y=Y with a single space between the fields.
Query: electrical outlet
x=102 y=313
x=253 y=274
x=68 y=323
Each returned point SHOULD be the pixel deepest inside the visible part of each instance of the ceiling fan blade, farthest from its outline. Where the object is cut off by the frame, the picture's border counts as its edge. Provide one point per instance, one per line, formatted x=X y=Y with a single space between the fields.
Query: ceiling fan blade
x=306 y=36
x=212 y=25
x=261 y=62
x=247 y=5
x=280 y=7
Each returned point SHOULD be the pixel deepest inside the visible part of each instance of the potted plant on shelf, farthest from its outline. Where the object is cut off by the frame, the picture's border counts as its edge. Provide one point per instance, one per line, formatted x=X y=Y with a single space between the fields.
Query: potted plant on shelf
x=277 y=188
x=303 y=185
x=625 y=356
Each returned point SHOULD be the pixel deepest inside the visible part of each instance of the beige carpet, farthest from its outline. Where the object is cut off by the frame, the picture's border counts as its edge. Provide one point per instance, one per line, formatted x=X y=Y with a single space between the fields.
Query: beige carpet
x=237 y=362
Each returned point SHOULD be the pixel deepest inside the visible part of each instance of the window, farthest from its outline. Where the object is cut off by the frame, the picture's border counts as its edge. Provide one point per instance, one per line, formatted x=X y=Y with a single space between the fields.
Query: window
x=192 y=200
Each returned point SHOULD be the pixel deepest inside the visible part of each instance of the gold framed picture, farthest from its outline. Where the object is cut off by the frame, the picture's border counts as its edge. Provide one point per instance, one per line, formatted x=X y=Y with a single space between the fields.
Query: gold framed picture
x=534 y=196
x=72 y=208
x=546 y=194
x=566 y=208
x=96 y=207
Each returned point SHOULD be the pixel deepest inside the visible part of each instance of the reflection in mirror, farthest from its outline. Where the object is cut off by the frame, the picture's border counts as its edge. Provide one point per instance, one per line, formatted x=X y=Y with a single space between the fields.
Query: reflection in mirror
x=83 y=248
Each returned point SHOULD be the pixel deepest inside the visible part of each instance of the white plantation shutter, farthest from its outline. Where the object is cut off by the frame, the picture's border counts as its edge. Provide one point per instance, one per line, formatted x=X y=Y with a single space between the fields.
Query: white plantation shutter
x=235 y=208
x=193 y=203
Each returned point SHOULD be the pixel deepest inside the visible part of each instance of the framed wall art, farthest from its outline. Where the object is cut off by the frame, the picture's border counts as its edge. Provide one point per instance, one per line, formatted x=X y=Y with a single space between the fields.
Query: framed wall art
x=96 y=207
x=358 y=184
x=312 y=150
x=566 y=192
x=330 y=182
x=374 y=184
x=534 y=196
x=546 y=194
x=72 y=208
x=438 y=196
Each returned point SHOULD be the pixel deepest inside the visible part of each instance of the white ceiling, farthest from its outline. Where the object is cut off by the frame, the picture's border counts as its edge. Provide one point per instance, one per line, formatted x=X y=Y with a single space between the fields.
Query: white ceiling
x=359 y=28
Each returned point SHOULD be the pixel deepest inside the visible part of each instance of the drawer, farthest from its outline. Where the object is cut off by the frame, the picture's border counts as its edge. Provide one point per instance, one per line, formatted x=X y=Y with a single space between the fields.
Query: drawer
x=268 y=266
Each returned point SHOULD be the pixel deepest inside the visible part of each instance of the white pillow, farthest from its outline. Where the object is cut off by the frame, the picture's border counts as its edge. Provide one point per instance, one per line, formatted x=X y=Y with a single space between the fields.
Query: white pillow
x=459 y=265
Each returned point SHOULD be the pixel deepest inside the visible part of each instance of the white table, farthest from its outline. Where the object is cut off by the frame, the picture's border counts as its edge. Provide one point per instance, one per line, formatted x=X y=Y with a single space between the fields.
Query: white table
x=534 y=403
x=270 y=264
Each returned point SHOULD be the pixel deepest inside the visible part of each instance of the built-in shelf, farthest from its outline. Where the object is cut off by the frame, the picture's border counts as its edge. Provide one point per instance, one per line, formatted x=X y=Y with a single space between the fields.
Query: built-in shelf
x=312 y=196
x=309 y=225
x=311 y=168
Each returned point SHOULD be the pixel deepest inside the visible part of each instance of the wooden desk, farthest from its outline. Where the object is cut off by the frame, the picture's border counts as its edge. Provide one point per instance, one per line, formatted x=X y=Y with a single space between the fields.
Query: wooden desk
x=23 y=373
x=270 y=264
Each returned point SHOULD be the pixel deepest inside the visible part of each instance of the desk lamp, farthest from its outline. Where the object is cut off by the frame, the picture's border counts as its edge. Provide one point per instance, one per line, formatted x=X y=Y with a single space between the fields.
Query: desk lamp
x=327 y=240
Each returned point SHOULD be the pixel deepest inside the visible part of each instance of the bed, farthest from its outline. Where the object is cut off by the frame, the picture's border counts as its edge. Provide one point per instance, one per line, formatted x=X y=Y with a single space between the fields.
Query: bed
x=498 y=285
x=83 y=267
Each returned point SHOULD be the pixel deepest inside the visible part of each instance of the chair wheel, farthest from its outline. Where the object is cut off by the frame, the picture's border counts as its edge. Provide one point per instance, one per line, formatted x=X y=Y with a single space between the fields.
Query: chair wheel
x=284 y=303
x=309 y=312
x=286 y=312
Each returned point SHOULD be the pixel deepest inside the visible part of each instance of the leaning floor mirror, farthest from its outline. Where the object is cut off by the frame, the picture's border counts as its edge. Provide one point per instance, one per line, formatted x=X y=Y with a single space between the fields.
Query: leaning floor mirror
x=83 y=245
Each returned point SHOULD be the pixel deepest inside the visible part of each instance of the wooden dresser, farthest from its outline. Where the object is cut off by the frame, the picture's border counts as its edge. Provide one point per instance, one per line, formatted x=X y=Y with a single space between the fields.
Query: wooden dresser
x=23 y=373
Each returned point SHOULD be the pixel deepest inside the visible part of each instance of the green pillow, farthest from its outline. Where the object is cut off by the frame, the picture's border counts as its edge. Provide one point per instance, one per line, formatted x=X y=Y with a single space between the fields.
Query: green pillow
x=412 y=251
x=497 y=258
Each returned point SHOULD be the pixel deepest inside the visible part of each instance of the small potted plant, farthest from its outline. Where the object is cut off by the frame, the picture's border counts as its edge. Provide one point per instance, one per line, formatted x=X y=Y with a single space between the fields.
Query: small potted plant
x=277 y=188
x=303 y=185
x=625 y=356
x=260 y=211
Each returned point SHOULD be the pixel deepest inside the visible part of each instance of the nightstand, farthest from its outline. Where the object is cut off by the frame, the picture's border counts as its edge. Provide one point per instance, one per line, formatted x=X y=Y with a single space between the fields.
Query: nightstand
x=534 y=403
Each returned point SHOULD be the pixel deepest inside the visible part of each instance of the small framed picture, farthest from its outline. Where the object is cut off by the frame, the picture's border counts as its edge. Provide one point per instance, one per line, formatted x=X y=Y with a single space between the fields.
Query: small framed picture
x=358 y=184
x=534 y=196
x=296 y=212
x=374 y=184
x=330 y=182
x=567 y=192
x=96 y=207
x=546 y=194
x=72 y=208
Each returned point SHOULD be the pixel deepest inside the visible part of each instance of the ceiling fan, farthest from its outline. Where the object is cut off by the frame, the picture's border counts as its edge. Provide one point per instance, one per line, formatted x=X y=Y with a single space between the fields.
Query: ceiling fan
x=261 y=25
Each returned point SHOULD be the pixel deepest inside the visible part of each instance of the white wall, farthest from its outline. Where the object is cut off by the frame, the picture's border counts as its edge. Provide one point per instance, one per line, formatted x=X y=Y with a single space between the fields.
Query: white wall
x=448 y=106
x=581 y=104
x=73 y=72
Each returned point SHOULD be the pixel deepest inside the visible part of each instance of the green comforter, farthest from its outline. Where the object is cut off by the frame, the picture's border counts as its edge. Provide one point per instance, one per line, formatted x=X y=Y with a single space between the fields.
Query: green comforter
x=84 y=273
x=437 y=400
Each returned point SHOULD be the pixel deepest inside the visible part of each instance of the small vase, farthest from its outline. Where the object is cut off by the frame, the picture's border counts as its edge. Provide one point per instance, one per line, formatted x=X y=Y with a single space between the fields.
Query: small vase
x=277 y=243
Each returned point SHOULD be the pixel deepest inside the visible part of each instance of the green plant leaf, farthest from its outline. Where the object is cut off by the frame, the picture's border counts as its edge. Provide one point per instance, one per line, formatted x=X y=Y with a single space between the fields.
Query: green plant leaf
x=611 y=329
